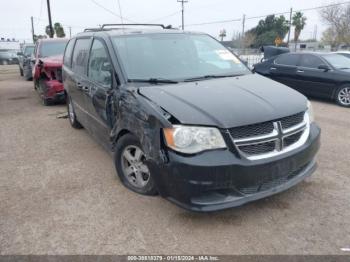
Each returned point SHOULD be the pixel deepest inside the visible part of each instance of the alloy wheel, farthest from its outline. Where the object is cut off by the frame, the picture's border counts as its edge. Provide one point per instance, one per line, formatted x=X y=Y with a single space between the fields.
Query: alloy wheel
x=344 y=96
x=134 y=168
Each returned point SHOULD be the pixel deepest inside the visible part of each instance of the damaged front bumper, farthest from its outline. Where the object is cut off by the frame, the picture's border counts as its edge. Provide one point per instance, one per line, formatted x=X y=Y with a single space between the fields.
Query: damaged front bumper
x=53 y=90
x=216 y=180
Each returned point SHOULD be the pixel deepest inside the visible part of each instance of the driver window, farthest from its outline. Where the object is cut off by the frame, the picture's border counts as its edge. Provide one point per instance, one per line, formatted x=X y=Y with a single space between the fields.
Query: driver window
x=100 y=69
x=310 y=61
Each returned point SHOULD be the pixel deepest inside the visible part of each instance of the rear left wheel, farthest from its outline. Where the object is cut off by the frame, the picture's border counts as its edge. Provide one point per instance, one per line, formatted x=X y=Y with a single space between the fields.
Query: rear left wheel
x=71 y=114
x=343 y=96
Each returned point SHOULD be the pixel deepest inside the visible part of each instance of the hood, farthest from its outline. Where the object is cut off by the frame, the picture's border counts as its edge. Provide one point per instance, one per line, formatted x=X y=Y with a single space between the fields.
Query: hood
x=53 y=61
x=227 y=102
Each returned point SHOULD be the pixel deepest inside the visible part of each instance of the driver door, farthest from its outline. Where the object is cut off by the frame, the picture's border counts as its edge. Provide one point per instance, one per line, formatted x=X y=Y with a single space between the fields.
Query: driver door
x=99 y=95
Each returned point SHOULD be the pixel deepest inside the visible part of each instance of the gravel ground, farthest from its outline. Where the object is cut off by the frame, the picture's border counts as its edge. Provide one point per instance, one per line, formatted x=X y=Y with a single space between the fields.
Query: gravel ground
x=59 y=195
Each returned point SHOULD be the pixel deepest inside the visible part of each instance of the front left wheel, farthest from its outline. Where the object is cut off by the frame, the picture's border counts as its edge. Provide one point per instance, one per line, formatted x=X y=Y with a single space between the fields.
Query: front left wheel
x=131 y=166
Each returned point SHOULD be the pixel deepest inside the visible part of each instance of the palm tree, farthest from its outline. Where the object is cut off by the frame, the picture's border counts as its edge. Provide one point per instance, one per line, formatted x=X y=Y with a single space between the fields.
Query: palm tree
x=299 y=22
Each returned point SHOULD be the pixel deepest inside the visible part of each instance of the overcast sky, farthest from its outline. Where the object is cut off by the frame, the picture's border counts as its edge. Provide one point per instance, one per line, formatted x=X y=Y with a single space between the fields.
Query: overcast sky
x=79 y=14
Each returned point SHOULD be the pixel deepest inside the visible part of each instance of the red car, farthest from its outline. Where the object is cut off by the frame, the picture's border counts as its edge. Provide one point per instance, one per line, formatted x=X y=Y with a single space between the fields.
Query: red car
x=47 y=69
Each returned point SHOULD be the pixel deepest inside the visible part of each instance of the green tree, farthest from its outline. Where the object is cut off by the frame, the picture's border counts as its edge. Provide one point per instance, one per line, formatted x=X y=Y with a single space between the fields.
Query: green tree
x=268 y=30
x=59 y=30
x=299 y=22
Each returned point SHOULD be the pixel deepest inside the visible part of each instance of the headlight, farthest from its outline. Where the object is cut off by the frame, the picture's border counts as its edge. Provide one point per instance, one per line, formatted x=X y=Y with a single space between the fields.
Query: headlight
x=310 y=112
x=191 y=139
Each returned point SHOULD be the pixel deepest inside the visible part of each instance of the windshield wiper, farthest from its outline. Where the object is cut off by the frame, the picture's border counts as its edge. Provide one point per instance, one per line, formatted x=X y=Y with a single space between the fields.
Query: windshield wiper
x=199 y=78
x=153 y=81
x=344 y=68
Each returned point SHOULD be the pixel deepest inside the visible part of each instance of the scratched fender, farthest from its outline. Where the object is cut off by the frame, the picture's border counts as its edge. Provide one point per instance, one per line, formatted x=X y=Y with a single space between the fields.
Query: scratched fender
x=143 y=118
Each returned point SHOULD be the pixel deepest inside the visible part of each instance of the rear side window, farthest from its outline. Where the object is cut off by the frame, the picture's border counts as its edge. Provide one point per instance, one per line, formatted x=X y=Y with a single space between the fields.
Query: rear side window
x=100 y=70
x=287 y=59
x=67 y=61
x=80 y=56
x=311 y=61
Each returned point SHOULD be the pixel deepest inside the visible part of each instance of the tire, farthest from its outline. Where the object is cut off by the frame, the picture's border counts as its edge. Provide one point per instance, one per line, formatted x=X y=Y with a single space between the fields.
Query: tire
x=139 y=178
x=71 y=114
x=46 y=101
x=342 y=96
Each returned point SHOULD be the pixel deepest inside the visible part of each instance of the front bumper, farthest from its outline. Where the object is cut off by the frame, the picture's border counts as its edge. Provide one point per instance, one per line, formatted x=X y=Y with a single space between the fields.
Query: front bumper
x=218 y=180
x=53 y=90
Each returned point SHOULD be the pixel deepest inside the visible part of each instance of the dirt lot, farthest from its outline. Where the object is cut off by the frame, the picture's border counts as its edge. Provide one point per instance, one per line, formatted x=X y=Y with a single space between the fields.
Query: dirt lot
x=59 y=195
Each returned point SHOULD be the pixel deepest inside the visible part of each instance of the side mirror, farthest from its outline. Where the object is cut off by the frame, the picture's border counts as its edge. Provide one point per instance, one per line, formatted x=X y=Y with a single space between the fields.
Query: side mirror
x=324 y=68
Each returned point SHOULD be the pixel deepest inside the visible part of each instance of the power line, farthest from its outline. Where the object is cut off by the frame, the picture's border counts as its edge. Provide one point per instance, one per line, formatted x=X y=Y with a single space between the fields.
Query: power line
x=163 y=17
x=263 y=16
x=120 y=12
x=111 y=12
x=217 y=22
x=45 y=21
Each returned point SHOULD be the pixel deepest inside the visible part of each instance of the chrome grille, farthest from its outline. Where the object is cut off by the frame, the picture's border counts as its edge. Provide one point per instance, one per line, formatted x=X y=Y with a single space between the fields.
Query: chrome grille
x=252 y=130
x=293 y=120
x=271 y=138
x=258 y=148
x=290 y=140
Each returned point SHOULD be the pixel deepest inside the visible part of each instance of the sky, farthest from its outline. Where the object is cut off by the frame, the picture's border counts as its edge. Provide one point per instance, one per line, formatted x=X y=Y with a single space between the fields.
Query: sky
x=80 y=14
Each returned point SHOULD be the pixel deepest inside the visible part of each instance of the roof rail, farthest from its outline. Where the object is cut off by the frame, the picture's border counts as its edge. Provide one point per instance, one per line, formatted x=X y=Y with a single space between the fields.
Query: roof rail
x=122 y=25
x=92 y=29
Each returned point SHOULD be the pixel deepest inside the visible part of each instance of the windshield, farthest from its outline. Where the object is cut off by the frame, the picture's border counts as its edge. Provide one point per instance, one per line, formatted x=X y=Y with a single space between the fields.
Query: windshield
x=338 y=61
x=29 y=50
x=52 y=48
x=175 y=56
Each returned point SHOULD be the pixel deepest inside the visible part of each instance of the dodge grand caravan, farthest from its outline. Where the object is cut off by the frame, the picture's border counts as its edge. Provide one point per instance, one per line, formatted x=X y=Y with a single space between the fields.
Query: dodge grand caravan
x=184 y=118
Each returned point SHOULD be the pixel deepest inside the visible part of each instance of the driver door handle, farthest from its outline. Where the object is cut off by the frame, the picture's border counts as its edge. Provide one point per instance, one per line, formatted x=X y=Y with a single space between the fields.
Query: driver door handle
x=82 y=87
x=300 y=71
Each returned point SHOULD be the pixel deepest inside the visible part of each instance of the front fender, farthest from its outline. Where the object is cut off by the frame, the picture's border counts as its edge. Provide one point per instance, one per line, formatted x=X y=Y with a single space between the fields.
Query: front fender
x=142 y=118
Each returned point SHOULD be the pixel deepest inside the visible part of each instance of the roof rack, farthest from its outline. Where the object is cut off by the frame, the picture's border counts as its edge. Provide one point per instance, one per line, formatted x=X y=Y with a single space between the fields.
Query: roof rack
x=92 y=29
x=122 y=25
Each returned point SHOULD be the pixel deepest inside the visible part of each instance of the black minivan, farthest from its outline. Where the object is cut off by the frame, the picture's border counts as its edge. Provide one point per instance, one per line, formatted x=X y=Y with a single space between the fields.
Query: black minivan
x=184 y=118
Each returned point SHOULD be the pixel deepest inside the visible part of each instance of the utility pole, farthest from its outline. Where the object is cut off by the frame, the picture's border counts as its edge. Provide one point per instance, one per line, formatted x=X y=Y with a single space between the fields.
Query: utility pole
x=70 y=32
x=243 y=29
x=290 y=25
x=315 y=33
x=31 y=19
x=183 y=12
x=50 y=20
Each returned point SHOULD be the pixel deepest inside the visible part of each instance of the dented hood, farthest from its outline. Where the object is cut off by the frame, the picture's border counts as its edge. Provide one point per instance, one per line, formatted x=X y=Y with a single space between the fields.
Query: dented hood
x=52 y=61
x=227 y=102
